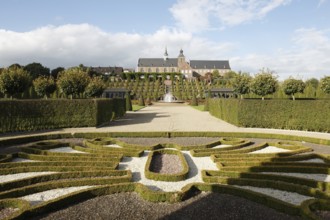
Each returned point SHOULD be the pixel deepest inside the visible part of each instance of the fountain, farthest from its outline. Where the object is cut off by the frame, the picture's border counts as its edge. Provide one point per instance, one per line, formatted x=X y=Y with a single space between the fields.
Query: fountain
x=169 y=97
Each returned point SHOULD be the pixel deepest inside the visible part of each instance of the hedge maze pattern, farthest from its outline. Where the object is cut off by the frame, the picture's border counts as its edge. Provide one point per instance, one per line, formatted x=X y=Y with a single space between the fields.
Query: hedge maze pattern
x=94 y=171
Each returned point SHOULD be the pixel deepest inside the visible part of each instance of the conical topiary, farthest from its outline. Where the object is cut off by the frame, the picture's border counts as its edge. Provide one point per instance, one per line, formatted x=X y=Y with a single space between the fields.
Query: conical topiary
x=141 y=100
x=206 y=106
x=194 y=101
x=128 y=102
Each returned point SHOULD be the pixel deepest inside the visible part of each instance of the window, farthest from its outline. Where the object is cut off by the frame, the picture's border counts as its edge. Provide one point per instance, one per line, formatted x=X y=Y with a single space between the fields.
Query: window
x=173 y=70
x=165 y=70
x=149 y=70
x=141 y=70
x=157 y=70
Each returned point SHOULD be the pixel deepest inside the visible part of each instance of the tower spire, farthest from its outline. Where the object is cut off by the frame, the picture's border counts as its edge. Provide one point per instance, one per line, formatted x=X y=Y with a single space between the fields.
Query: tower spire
x=165 y=54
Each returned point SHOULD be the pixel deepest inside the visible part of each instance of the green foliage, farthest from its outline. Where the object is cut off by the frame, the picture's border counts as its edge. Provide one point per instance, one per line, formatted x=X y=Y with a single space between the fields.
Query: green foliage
x=73 y=81
x=14 y=80
x=325 y=84
x=128 y=102
x=27 y=115
x=313 y=82
x=241 y=84
x=292 y=86
x=44 y=86
x=95 y=87
x=194 y=101
x=282 y=114
x=141 y=100
x=264 y=83
x=36 y=70
x=55 y=72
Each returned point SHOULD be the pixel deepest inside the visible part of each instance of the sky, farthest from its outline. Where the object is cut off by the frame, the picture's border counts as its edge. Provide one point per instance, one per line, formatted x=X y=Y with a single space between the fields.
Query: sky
x=290 y=37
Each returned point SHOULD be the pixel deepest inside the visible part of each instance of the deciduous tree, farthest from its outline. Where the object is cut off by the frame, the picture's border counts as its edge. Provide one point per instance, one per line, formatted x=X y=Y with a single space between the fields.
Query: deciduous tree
x=73 y=81
x=241 y=84
x=264 y=83
x=14 y=80
x=44 y=86
x=95 y=87
x=292 y=86
x=325 y=84
x=36 y=70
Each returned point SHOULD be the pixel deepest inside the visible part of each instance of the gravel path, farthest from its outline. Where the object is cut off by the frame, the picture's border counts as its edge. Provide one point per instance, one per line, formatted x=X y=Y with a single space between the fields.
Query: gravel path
x=44 y=196
x=18 y=176
x=196 y=164
x=166 y=164
x=203 y=206
x=289 y=197
x=269 y=149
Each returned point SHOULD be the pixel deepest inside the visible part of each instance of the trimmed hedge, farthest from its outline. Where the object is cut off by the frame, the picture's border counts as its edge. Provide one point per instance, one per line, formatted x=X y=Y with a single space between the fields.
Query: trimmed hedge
x=30 y=115
x=166 y=177
x=281 y=114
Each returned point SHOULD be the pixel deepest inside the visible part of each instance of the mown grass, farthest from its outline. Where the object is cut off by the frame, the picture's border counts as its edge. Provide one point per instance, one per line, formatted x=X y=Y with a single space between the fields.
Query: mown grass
x=199 y=107
x=137 y=107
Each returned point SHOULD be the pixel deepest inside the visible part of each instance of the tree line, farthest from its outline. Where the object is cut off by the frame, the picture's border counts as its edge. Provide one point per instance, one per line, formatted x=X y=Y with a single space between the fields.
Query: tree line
x=80 y=81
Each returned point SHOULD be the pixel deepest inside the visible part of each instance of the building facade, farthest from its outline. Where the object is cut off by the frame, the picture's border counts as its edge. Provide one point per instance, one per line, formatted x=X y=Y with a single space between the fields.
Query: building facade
x=194 y=68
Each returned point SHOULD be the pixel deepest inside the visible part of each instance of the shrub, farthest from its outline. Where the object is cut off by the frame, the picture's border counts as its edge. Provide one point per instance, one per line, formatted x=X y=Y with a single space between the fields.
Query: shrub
x=194 y=101
x=14 y=80
x=281 y=114
x=73 y=81
x=44 y=86
x=26 y=115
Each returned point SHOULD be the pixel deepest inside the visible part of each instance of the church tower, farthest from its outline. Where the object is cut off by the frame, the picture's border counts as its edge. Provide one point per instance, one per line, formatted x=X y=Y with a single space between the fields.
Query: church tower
x=165 y=54
x=181 y=60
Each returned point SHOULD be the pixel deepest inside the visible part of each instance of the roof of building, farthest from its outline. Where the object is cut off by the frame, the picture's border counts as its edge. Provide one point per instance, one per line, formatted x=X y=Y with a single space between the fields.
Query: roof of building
x=108 y=70
x=158 y=62
x=209 y=64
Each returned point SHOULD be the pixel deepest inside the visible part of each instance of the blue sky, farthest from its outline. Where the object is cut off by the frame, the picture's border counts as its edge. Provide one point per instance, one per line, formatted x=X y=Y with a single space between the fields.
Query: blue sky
x=291 y=37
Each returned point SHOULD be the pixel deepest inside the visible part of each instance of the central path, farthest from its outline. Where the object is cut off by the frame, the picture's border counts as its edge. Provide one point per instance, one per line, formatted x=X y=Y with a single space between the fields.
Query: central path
x=169 y=117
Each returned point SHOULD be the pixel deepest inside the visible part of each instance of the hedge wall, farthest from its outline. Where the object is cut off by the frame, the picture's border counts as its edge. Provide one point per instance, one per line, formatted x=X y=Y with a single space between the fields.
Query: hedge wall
x=28 y=115
x=311 y=115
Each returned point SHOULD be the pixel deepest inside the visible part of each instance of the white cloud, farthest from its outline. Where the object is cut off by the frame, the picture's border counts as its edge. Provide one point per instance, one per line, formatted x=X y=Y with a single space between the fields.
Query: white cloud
x=308 y=57
x=70 y=45
x=197 y=15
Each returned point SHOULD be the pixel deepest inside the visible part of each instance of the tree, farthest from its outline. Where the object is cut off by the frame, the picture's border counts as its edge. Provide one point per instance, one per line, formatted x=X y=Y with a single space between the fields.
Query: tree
x=14 y=80
x=128 y=102
x=141 y=100
x=95 y=87
x=55 y=72
x=215 y=74
x=241 y=83
x=325 y=84
x=314 y=82
x=36 y=70
x=44 y=86
x=292 y=86
x=264 y=83
x=194 y=101
x=73 y=81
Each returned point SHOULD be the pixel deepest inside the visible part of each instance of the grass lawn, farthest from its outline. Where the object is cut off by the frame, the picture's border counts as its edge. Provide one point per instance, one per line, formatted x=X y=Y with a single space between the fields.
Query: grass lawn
x=199 y=107
x=137 y=107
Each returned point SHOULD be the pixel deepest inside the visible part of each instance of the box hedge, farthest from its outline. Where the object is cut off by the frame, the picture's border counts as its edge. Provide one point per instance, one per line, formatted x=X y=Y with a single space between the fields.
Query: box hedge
x=29 y=115
x=281 y=114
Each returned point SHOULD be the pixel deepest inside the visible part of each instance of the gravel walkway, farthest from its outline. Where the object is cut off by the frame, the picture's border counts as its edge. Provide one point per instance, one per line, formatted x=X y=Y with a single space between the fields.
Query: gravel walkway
x=204 y=206
x=166 y=164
